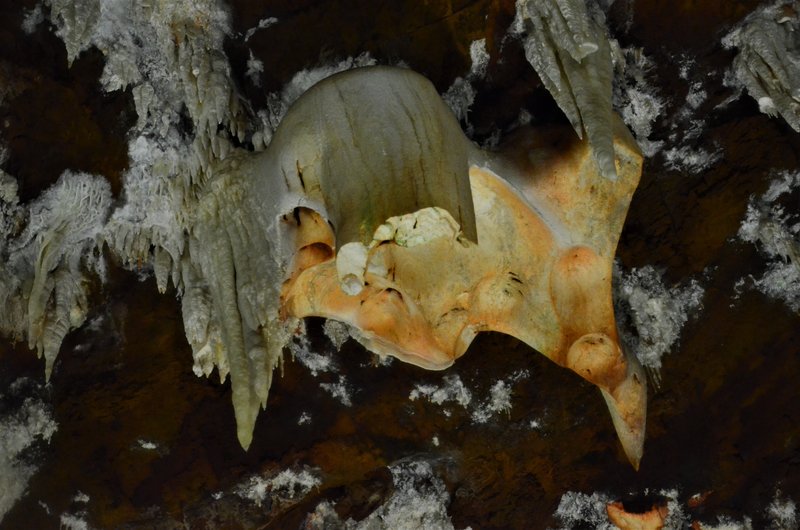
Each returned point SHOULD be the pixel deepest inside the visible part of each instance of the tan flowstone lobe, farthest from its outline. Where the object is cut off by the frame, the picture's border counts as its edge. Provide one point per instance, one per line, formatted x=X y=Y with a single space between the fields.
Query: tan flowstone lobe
x=547 y=226
x=652 y=519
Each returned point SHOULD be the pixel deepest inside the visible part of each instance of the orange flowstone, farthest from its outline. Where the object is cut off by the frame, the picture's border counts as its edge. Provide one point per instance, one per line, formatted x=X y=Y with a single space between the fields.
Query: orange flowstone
x=548 y=226
x=652 y=519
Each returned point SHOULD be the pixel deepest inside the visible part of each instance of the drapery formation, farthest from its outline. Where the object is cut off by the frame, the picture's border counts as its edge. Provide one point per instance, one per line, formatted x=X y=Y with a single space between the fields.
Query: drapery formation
x=369 y=206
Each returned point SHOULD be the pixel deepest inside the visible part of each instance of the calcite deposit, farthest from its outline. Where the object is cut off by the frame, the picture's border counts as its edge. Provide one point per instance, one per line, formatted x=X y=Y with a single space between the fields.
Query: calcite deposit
x=173 y=104
x=358 y=206
x=547 y=228
x=362 y=149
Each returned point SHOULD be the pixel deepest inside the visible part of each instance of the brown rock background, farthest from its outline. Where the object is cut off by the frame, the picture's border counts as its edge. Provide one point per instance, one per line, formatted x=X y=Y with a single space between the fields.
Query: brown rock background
x=725 y=418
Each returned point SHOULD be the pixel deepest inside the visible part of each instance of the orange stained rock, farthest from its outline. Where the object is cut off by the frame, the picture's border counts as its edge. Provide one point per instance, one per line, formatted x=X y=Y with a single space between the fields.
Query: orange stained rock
x=652 y=519
x=548 y=226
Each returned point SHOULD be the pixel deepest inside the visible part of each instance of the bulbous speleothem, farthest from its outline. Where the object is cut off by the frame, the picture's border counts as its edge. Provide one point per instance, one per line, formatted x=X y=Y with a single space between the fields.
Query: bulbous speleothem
x=539 y=269
x=371 y=207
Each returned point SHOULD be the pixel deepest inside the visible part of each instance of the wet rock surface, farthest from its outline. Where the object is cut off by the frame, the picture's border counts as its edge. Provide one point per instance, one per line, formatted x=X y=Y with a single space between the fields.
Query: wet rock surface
x=152 y=445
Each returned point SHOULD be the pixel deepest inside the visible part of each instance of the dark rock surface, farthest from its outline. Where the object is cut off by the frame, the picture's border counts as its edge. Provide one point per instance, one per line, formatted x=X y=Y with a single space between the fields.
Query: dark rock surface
x=725 y=418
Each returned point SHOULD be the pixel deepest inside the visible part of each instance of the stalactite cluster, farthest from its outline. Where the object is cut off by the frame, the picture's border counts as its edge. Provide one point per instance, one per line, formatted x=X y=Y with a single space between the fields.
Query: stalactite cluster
x=767 y=62
x=335 y=198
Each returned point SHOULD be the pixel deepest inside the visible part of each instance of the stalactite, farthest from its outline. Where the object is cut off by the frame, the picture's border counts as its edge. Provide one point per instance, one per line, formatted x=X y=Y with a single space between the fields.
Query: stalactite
x=767 y=62
x=566 y=43
x=46 y=268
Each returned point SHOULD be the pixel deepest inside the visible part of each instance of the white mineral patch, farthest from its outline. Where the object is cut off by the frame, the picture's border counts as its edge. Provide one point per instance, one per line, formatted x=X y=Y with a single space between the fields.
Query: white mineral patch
x=289 y=484
x=775 y=232
x=727 y=523
x=80 y=497
x=264 y=23
x=499 y=400
x=10 y=211
x=96 y=322
x=255 y=69
x=337 y=332
x=19 y=430
x=377 y=360
x=691 y=159
x=676 y=516
x=419 y=500
x=639 y=113
x=32 y=18
x=696 y=96
x=146 y=445
x=784 y=182
x=782 y=513
x=324 y=517
x=339 y=390
x=461 y=94
x=452 y=390
x=578 y=509
x=315 y=362
x=656 y=313
x=479 y=57
x=687 y=150
x=151 y=213
x=304 y=419
x=73 y=522
x=767 y=106
x=635 y=96
x=8 y=185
